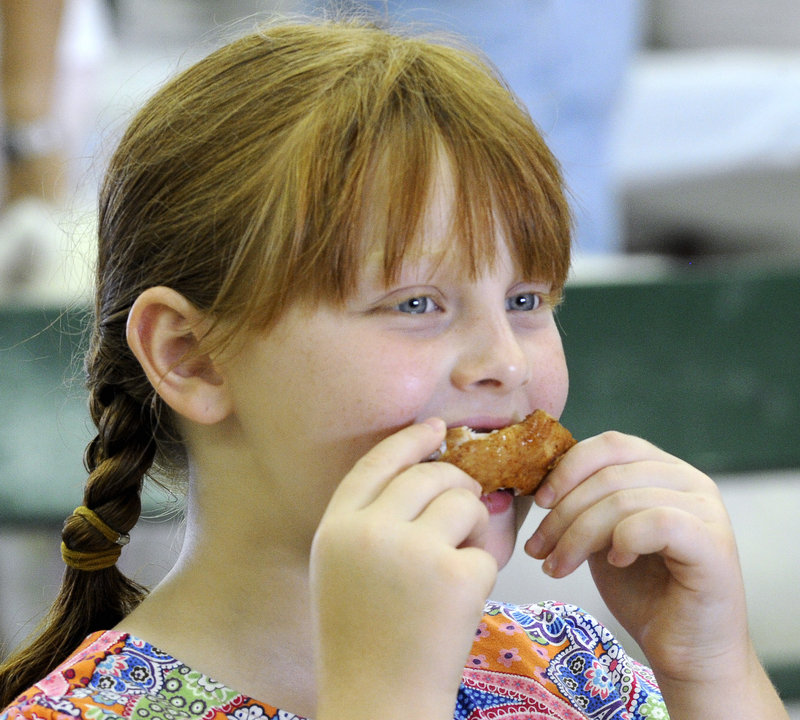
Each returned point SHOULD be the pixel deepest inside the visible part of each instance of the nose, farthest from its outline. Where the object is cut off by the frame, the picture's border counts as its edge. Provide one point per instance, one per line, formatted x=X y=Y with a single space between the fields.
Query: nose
x=490 y=356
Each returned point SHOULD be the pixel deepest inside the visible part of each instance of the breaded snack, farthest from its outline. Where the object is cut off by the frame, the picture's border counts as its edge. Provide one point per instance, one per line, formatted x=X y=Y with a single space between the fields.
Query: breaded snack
x=516 y=457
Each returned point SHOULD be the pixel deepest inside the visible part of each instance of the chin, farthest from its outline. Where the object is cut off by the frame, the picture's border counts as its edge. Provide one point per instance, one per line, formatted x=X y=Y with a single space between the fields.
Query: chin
x=501 y=549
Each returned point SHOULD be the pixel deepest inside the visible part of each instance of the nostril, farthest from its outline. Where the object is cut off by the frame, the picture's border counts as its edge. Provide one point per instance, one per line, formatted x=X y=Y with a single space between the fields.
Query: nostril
x=491 y=358
x=489 y=382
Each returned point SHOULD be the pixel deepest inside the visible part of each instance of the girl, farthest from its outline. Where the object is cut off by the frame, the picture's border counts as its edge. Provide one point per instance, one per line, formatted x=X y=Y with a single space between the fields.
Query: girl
x=318 y=248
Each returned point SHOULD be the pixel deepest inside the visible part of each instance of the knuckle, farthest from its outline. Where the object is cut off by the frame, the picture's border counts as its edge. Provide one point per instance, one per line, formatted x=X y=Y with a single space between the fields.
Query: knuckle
x=465 y=497
x=448 y=477
x=374 y=534
x=581 y=534
x=664 y=521
x=613 y=477
x=373 y=462
x=343 y=535
x=614 y=439
x=710 y=488
x=709 y=506
x=622 y=503
x=556 y=519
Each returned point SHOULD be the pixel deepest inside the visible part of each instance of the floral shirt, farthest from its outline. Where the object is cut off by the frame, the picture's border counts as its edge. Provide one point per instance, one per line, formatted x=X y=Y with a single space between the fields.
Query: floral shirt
x=528 y=662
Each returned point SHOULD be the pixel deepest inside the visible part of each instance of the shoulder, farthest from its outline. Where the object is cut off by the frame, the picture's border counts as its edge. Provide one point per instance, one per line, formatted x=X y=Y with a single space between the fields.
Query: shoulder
x=558 y=658
x=62 y=694
x=116 y=675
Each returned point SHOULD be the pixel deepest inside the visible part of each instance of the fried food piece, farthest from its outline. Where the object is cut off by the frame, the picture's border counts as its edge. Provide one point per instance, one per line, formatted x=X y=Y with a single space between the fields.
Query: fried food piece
x=516 y=457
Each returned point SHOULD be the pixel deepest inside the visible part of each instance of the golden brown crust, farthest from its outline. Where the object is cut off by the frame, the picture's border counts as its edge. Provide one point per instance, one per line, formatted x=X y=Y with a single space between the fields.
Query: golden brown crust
x=516 y=457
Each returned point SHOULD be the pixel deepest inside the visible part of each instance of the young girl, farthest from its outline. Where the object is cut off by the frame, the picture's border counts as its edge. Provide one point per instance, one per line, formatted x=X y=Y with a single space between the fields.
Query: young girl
x=318 y=248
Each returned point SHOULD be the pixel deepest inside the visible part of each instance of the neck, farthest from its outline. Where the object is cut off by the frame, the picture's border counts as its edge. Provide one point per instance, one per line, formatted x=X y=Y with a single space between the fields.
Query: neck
x=236 y=607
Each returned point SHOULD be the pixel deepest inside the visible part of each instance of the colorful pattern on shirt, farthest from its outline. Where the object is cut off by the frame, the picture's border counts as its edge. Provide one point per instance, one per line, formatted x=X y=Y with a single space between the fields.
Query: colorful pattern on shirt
x=552 y=660
x=527 y=663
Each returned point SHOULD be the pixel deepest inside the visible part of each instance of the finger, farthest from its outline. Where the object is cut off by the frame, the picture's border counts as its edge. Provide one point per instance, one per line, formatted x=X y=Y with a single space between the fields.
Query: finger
x=692 y=548
x=593 y=530
x=619 y=478
x=405 y=496
x=590 y=456
x=482 y=568
x=456 y=517
x=668 y=531
x=391 y=456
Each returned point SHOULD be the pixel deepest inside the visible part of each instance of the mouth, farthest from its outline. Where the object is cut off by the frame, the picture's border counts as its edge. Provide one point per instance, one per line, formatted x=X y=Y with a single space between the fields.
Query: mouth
x=477 y=428
x=484 y=425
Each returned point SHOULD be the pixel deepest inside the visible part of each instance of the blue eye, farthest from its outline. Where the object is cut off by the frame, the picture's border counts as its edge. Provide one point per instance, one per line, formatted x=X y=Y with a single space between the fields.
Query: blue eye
x=523 y=302
x=417 y=305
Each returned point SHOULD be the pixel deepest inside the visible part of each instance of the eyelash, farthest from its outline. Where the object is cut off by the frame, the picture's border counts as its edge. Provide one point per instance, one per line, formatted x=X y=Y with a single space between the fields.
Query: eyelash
x=529 y=301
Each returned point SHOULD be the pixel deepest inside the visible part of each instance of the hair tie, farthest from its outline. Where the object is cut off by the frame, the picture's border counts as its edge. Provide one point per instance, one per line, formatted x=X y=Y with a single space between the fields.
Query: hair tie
x=95 y=559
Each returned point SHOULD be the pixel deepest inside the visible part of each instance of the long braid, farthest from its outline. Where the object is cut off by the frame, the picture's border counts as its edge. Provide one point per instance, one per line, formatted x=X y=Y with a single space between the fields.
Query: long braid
x=117 y=460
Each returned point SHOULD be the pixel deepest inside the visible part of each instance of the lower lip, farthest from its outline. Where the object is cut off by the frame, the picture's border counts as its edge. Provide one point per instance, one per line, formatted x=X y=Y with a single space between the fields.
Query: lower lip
x=498 y=501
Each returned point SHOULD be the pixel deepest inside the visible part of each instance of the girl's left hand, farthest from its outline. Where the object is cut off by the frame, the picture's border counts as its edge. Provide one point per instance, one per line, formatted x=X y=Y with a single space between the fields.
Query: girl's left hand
x=661 y=550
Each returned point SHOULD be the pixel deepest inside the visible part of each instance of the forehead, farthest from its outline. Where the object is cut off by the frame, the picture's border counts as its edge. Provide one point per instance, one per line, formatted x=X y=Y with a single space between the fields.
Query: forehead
x=449 y=230
x=434 y=199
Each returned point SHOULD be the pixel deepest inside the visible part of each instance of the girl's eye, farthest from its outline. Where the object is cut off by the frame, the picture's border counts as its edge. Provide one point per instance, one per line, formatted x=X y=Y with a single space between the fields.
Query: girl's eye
x=417 y=305
x=523 y=302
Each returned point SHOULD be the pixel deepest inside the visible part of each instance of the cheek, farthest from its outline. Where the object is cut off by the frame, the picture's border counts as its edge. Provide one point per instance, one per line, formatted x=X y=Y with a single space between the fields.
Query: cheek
x=356 y=404
x=550 y=384
x=393 y=387
x=364 y=389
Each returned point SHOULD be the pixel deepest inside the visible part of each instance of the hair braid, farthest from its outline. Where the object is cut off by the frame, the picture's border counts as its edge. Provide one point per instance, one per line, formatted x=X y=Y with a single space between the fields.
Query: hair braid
x=117 y=460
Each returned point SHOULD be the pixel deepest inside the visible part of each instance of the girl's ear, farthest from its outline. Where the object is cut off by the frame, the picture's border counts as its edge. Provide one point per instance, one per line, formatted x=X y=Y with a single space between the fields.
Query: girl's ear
x=163 y=331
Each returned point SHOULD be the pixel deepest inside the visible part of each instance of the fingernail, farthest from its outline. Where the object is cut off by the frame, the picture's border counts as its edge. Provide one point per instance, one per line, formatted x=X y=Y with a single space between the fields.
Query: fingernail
x=545 y=496
x=436 y=423
x=550 y=566
x=535 y=545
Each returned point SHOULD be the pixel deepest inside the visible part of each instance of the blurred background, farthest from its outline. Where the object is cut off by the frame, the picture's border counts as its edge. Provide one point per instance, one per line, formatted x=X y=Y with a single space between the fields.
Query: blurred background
x=678 y=127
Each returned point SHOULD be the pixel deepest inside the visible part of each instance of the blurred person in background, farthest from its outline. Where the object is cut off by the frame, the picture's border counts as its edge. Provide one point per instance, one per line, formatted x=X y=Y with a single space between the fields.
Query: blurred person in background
x=49 y=59
x=567 y=62
x=33 y=137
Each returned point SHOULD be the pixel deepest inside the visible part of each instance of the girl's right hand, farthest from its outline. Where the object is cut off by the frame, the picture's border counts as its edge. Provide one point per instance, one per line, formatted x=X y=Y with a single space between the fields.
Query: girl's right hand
x=399 y=579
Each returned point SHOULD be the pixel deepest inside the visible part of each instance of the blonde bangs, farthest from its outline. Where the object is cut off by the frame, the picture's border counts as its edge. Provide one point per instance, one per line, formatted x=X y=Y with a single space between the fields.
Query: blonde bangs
x=355 y=171
x=505 y=179
x=500 y=195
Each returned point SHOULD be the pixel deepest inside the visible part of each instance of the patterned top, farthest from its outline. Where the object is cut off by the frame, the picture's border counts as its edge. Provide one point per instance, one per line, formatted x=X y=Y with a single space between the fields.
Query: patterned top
x=528 y=662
